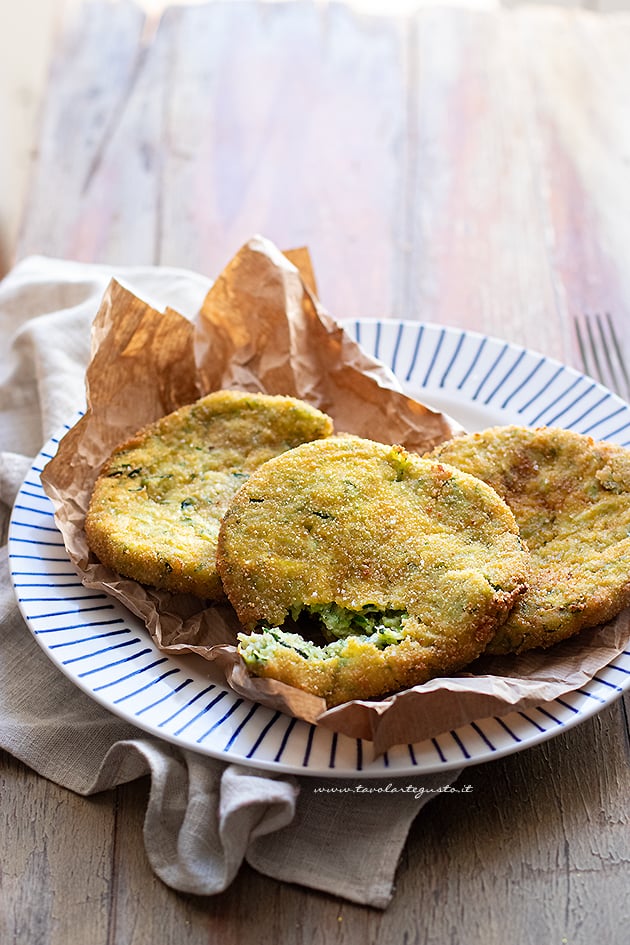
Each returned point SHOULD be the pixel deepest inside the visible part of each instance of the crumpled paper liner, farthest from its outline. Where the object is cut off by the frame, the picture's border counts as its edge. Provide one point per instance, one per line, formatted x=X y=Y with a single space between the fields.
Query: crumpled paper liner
x=261 y=328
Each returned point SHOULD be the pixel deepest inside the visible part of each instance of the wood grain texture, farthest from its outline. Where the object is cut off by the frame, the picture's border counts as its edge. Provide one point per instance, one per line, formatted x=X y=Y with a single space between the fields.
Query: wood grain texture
x=460 y=167
x=456 y=167
x=521 y=191
x=95 y=66
x=54 y=889
x=209 y=135
x=300 y=145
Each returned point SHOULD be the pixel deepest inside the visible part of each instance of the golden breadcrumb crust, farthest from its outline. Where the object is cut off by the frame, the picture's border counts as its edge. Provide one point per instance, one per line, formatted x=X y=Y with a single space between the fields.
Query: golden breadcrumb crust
x=353 y=523
x=155 y=511
x=571 y=498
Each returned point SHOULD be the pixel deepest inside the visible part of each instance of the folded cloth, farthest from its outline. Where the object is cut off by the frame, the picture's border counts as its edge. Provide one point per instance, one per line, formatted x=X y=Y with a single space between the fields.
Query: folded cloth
x=204 y=816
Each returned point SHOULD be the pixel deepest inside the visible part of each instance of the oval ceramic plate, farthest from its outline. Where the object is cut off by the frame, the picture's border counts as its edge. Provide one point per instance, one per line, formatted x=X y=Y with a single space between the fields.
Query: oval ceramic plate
x=107 y=652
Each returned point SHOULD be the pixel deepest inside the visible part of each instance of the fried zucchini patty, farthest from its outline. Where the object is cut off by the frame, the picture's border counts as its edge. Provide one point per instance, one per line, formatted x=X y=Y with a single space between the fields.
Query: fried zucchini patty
x=155 y=511
x=406 y=564
x=571 y=499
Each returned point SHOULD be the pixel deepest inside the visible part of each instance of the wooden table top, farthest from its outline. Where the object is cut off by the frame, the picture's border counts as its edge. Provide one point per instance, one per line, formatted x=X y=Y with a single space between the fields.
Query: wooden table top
x=460 y=167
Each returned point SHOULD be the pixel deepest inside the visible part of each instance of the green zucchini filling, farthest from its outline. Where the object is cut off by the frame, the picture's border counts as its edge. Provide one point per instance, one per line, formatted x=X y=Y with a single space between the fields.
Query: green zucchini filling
x=338 y=622
x=368 y=625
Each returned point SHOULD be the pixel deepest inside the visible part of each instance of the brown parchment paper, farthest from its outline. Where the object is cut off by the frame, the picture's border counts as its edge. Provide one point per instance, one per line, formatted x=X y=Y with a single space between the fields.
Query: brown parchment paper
x=261 y=328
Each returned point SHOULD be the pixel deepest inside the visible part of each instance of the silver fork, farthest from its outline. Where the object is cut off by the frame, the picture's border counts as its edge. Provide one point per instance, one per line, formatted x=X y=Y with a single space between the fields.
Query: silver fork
x=601 y=354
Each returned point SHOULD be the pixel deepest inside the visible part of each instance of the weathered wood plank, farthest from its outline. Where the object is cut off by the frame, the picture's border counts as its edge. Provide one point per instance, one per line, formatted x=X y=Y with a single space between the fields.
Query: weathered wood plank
x=208 y=136
x=451 y=176
x=529 y=855
x=56 y=851
x=288 y=120
x=477 y=251
x=579 y=77
x=520 y=196
x=95 y=66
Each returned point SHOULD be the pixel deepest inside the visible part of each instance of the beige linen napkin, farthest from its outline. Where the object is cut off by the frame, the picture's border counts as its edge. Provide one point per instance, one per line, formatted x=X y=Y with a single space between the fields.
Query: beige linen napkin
x=204 y=817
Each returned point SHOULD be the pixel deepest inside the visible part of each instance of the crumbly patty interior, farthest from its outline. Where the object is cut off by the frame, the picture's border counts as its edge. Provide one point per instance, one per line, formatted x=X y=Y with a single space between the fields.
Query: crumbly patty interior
x=349 y=525
x=571 y=499
x=156 y=507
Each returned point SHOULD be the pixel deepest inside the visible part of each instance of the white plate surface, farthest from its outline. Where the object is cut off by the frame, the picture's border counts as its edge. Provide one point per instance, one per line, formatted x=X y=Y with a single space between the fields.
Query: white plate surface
x=107 y=652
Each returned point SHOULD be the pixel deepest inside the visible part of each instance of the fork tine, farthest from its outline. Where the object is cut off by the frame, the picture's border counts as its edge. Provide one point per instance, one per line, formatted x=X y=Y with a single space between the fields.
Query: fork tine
x=580 y=340
x=616 y=384
x=606 y=350
x=593 y=343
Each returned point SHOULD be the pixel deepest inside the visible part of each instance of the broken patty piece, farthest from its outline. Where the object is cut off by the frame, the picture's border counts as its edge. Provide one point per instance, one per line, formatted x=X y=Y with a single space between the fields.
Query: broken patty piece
x=407 y=566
